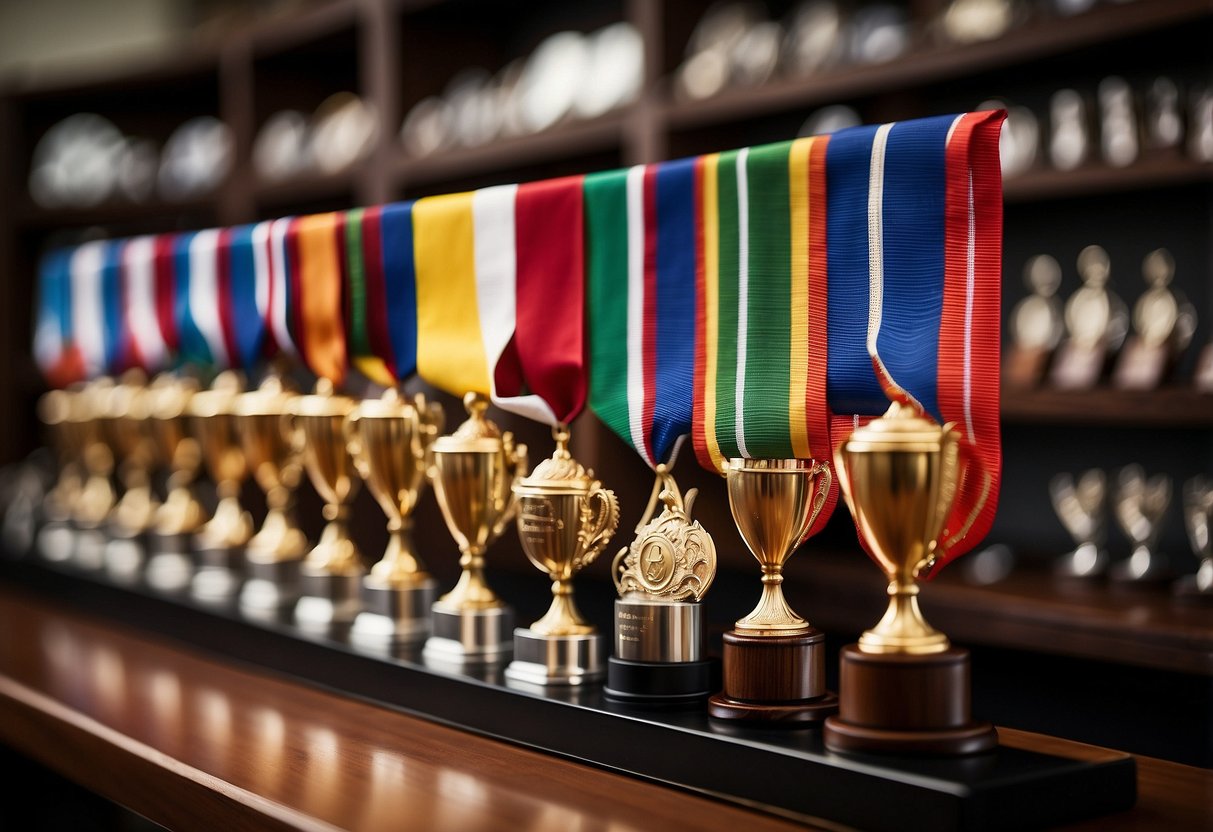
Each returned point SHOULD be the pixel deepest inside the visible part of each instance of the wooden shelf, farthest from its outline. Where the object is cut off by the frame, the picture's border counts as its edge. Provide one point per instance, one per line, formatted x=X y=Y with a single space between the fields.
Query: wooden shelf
x=1166 y=407
x=307 y=187
x=1034 y=41
x=1149 y=172
x=31 y=217
x=292 y=30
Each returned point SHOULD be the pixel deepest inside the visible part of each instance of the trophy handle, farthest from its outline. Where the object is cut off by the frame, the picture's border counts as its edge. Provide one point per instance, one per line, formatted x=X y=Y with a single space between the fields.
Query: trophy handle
x=599 y=517
x=822 y=470
x=513 y=457
x=353 y=444
x=960 y=461
x=617 y=569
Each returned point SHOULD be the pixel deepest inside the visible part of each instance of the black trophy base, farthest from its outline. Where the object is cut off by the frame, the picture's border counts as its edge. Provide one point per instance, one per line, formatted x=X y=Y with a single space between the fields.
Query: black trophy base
x=270 y=588
x=661 y=683
x=219 y=575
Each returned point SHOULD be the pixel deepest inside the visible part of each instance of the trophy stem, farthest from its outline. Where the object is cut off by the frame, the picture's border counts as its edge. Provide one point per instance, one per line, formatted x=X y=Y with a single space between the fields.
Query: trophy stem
x=399 y=565
x=562 y=618
x=773 y=615
x=334 y=553
x=471 y=592
x=903 y=628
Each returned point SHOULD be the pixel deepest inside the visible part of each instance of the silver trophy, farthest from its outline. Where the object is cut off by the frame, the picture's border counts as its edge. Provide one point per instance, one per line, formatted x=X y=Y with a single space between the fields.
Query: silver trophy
x=1198 y=517
x=1139 y=506
x=1082 y=508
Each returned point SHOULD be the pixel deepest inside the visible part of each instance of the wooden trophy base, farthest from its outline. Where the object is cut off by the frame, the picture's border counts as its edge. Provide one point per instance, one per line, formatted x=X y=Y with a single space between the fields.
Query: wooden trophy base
x=899 y=704
x=778 y=680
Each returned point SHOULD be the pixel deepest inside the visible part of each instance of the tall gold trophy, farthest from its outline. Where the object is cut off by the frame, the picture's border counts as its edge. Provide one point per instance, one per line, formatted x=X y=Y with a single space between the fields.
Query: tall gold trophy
x=473 y=471
x=904 y=687
x=273 y=554
x=390 y=441
x=219 y=545
x=131 y=438
x=170 y=566
x=330 y=578
x=565 y=519
x=97 y=498
x=58 y=411
x=774 y=660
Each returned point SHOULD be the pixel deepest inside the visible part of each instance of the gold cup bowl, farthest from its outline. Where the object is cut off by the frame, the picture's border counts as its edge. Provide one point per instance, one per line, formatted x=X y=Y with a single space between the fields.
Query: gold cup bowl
x=131 y=440
x=472 y=473
x=92 y=511
x=55 y=411
x=180 y=516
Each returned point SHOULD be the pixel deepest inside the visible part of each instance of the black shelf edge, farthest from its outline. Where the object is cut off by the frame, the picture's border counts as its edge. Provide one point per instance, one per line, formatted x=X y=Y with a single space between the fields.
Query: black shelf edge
x=787 y=770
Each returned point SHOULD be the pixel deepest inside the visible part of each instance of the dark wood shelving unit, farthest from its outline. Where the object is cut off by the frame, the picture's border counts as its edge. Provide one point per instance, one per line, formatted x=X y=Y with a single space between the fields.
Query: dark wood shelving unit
x=1167 y=407
x=1149 y=172
x=307 y=188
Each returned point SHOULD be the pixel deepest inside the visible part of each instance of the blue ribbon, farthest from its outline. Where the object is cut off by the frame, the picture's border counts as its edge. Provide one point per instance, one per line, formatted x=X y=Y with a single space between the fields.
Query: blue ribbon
x=113 y=314
x=193 y=348
x=54 y=304
x=247 y=321
x=400 y=284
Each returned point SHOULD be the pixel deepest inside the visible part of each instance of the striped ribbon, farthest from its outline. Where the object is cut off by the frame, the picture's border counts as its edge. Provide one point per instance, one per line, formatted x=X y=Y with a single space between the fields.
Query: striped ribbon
x=54 y=351
x=87 y=305
x=314 y=258
x=276 y=265
x=148 y=348
x=247 y=290
x=515 y=253
x=381 y=292
x=641 y=271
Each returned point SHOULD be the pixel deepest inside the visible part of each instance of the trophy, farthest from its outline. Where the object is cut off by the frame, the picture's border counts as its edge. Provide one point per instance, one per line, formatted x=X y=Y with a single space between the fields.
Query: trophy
x=661 y=578
x=904 y=687
x=472 y=473
x=1096 y=320
x=1081 y=507
x=390 y=441
x=1140 y=505
x=56 y=409
x=1036 y=324
x=273 y=554
x=330 y=578
x=565 y=519
x=1198 y=515
x=774 y=660
x=1069 y=142
x=130 y=436
x=1118 y=122
x=1163 y=325
x=97 y=498
x=219 y=544
x=1164 y=115
x=169 y=567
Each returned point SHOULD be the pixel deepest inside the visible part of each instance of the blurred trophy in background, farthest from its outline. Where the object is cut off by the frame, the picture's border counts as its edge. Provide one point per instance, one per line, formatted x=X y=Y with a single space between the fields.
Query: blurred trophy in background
x=1118 y=129
x=1140 y=506
x=1096 y=322
x=131 y=438
x=97 y=498
x=1082 y=509
x=170 y=567
x=274 y=553
x=330 y=578
x=56 y=411
x=1198 y=518
x=473 y=471
x=390 y=441
x=565 y=520
x=219 y=544
x=1036 y=325
x=1163 y=325
x=1069 y=142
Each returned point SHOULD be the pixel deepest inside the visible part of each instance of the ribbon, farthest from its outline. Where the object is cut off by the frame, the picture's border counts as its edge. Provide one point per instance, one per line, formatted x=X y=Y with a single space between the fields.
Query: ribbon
x=366 y=297
x=641 y=273
x=244 y=293
x=277 y=265
x=164 y=264
x=315 y=255
x=88 y=306
x=147 y=345
x=57 y=357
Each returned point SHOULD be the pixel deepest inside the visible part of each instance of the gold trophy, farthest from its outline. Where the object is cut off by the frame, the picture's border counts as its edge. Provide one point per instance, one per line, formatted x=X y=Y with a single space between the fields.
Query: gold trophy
x=1096 y=323
x=390 y=441
x=274 y=553
x=472 y=473
x=170 y=567
x=219 y=545
x=97 y=499
x=565 y=519
x=774 y=660
x=330 y=578
x=131 y=438
x=1198 y=520
x=57 y=411
x=904 y=687
x=661 y=578
x=1163 y=325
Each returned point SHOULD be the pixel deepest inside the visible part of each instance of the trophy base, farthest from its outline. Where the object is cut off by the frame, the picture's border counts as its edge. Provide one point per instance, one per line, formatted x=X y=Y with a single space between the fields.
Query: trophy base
x=169 y=567
x=327 y=601
x=660 y=683
x=901 y=704
x=269 y=588
x=555 y=660
x=1142 y=567
x=1087 y=561
x=56 y=541
x=219 y=575
x=463 y=638
x=778 y=680
x=124 y=558
x=393 y=616
x=90 y=550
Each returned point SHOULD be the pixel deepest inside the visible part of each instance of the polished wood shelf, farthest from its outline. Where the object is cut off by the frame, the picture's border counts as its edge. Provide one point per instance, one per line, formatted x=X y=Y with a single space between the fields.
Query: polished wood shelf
x=297 y=28
x=930 y=65
x=1172 y=407
x=31 y=217
x=1148 y=172
x=307 y=187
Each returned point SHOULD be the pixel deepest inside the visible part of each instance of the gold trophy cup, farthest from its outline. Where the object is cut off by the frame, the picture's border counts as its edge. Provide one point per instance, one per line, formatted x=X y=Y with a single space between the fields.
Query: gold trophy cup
x=56 y=410
x=219 y=544
x=774 y=660
x=565 y=519
x=97 y=498
x=904 y=687
x=472 y=473
x=330 y=578
x=274 y=553
x=390 y=441
x=169 y=568
x=130 y=436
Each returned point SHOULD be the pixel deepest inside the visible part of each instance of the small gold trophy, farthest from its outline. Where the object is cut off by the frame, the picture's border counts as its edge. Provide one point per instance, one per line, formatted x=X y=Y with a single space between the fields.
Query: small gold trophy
x=274 y=553
x=1163 y=324
x=1096 y=323
x=1198 y=520
x=56 y=410
x=473 y=471
x=774 y=660
x=904 y=687
x=170 y=566
x=330 y=578
x=390 y=441
x=1036 y=325
x=565 y=519
x=97 y=498
x=131 y=438
x=219 y=544
x=661 y=578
